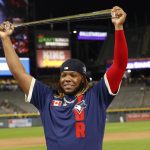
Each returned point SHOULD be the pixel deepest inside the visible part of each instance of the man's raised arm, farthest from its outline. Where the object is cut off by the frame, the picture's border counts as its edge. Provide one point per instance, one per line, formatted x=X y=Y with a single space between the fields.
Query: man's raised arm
x=13 y=61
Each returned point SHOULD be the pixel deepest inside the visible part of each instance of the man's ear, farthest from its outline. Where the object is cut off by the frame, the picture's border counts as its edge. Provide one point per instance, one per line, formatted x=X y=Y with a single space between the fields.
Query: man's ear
x=83 y=79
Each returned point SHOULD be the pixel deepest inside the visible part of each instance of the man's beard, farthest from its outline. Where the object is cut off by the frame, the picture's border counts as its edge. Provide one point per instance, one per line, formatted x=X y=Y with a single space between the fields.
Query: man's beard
x=77 y=90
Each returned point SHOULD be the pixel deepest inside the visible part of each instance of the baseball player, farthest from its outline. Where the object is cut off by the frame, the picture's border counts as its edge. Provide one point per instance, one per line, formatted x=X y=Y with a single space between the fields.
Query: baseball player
x=74 y=117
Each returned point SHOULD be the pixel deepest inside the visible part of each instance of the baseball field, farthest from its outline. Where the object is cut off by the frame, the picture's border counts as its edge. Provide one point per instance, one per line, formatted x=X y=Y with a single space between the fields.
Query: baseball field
x=118 y=136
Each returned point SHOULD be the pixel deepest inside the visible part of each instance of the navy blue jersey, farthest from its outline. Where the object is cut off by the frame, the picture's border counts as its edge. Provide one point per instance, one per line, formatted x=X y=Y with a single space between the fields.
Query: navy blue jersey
x=62 y=127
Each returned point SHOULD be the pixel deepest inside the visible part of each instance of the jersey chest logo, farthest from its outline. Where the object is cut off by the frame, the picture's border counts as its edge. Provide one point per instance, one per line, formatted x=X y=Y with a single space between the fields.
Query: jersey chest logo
x=80 y=106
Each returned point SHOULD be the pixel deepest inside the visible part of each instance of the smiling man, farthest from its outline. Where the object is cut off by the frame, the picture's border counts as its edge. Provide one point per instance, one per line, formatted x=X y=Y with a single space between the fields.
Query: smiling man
x=73 y=79
x=74 y=117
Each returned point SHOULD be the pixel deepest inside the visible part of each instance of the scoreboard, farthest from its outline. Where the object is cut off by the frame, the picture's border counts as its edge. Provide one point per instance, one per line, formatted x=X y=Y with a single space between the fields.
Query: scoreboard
x=52 y=48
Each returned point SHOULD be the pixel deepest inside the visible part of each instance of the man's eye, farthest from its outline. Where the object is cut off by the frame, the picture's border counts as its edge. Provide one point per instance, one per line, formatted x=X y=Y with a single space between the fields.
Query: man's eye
x=73 y=75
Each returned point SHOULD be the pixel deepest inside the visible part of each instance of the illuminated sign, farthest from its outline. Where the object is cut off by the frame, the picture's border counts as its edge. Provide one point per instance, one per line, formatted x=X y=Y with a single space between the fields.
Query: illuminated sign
x=4 y=69
x=138 y=65
x=52 y=58
x=52 y=48
x=135 y=63
x=51 y=42
x=91 y=35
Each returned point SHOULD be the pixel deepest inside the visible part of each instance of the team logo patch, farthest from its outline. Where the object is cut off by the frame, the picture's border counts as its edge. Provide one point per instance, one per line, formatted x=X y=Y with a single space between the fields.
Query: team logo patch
x=56 y=103
x=80 y=106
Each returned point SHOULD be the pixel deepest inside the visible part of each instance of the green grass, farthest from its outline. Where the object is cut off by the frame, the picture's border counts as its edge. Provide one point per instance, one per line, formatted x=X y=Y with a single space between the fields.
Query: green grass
x=142 y=144
x=27 y=148
x=127 y=127
x=132 y=144
x=21 y=132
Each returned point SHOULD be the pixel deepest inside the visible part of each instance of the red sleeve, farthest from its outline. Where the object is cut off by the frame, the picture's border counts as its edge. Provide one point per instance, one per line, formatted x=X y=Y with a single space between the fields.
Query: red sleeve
x=115 y=73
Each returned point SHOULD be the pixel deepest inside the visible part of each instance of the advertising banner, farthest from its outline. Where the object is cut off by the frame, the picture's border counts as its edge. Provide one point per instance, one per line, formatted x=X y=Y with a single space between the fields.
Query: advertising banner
x=137 y=116
x=25 y=122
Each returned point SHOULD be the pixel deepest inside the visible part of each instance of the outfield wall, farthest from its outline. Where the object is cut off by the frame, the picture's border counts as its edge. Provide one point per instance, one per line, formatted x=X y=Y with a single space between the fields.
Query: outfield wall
x=33 y=119
x=126 y=115
x=19 y=122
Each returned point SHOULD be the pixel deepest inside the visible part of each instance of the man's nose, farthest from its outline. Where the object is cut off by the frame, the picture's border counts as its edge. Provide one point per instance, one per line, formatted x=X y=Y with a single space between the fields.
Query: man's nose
x=68 y=78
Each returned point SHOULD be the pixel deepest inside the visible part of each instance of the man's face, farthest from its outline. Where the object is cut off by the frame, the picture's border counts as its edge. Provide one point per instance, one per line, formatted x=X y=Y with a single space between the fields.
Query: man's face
x=70 y=81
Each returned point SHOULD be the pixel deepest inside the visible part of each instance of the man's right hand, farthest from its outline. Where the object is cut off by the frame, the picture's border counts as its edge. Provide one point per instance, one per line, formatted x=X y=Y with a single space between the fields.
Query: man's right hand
x=6 y=29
